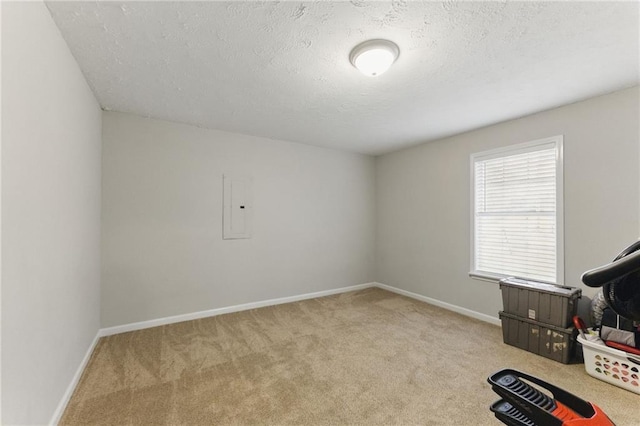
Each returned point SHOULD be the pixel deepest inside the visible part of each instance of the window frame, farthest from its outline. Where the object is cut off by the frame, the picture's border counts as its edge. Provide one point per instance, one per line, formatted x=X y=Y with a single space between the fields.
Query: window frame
x=521 y=148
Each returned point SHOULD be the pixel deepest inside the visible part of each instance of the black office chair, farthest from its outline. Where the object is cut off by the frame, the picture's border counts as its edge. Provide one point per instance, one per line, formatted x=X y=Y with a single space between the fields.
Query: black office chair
x=620 y=282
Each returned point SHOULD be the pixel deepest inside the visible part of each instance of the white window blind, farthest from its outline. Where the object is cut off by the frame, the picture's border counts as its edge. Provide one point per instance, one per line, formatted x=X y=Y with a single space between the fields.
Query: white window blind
x=517 y=206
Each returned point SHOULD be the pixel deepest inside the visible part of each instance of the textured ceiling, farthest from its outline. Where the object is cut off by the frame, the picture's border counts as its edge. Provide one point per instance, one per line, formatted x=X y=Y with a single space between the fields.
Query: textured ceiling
x=281 y=69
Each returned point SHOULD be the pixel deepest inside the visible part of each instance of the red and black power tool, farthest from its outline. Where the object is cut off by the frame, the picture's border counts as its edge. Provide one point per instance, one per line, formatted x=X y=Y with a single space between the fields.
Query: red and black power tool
x=525 y=405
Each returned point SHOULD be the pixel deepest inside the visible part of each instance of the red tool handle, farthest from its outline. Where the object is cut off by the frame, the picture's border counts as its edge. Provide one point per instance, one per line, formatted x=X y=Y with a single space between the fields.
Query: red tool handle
x=622 y=347
x=580 y=325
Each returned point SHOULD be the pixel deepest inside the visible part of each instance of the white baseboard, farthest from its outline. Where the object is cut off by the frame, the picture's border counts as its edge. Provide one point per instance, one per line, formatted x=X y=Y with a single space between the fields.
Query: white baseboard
x=57 y=415
x=271 y=302
x=441 y=304
x=228 y=309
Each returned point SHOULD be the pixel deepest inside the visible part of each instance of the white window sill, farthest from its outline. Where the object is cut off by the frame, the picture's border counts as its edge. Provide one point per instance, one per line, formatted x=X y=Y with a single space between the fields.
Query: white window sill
x=483 y=276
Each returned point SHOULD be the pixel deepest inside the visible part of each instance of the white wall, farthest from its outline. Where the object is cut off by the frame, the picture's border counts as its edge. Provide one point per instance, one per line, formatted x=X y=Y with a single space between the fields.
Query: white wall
x=162 y=248
x=423 y=199
x=51 y=129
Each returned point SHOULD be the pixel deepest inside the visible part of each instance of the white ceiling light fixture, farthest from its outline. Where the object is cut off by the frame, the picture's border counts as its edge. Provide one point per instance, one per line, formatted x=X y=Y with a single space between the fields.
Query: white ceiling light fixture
x=374 y=57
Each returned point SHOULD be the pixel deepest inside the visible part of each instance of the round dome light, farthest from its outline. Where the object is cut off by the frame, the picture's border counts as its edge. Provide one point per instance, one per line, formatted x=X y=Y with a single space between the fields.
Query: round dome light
x=374 y=57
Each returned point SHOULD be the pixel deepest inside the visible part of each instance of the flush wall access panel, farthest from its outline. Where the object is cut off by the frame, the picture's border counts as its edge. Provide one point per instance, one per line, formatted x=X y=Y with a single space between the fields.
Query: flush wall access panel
x=236 y=216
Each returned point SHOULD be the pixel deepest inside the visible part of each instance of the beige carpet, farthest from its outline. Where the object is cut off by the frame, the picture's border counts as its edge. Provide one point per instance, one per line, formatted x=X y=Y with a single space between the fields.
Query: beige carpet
x=369 y=357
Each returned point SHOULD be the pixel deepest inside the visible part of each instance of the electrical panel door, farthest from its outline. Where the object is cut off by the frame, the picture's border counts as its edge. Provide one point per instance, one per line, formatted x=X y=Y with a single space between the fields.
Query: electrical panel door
x=237 y=207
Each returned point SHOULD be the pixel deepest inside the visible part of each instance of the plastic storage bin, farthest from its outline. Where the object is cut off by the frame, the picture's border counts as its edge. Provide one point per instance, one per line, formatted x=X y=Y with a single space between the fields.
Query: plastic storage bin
x=611 y=365
x=551 y=342
x=547 y=303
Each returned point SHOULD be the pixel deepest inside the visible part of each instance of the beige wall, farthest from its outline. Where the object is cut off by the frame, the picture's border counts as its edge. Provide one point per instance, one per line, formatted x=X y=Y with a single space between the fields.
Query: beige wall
x=163 y=252
x=423 y=199
x=51 y=126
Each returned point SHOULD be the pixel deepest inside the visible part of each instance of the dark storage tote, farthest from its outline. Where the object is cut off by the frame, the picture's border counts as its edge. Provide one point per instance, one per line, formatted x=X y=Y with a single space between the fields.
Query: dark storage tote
x=551 y=342
x=547 y=303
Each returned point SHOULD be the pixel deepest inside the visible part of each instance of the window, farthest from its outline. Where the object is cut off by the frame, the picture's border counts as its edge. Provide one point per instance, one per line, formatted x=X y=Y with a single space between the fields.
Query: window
x=517 y=212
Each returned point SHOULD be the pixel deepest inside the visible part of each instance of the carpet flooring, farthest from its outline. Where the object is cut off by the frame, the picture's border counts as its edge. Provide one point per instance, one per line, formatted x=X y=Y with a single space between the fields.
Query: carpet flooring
x=369 y=357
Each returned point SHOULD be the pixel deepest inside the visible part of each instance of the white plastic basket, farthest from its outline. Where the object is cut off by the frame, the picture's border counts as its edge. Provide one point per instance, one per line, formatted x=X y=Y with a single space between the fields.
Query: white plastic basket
x=611 y=365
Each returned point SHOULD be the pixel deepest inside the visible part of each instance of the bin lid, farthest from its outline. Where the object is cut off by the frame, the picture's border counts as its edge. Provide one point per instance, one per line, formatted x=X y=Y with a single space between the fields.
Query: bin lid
x=557 y=290
x=568 y=330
